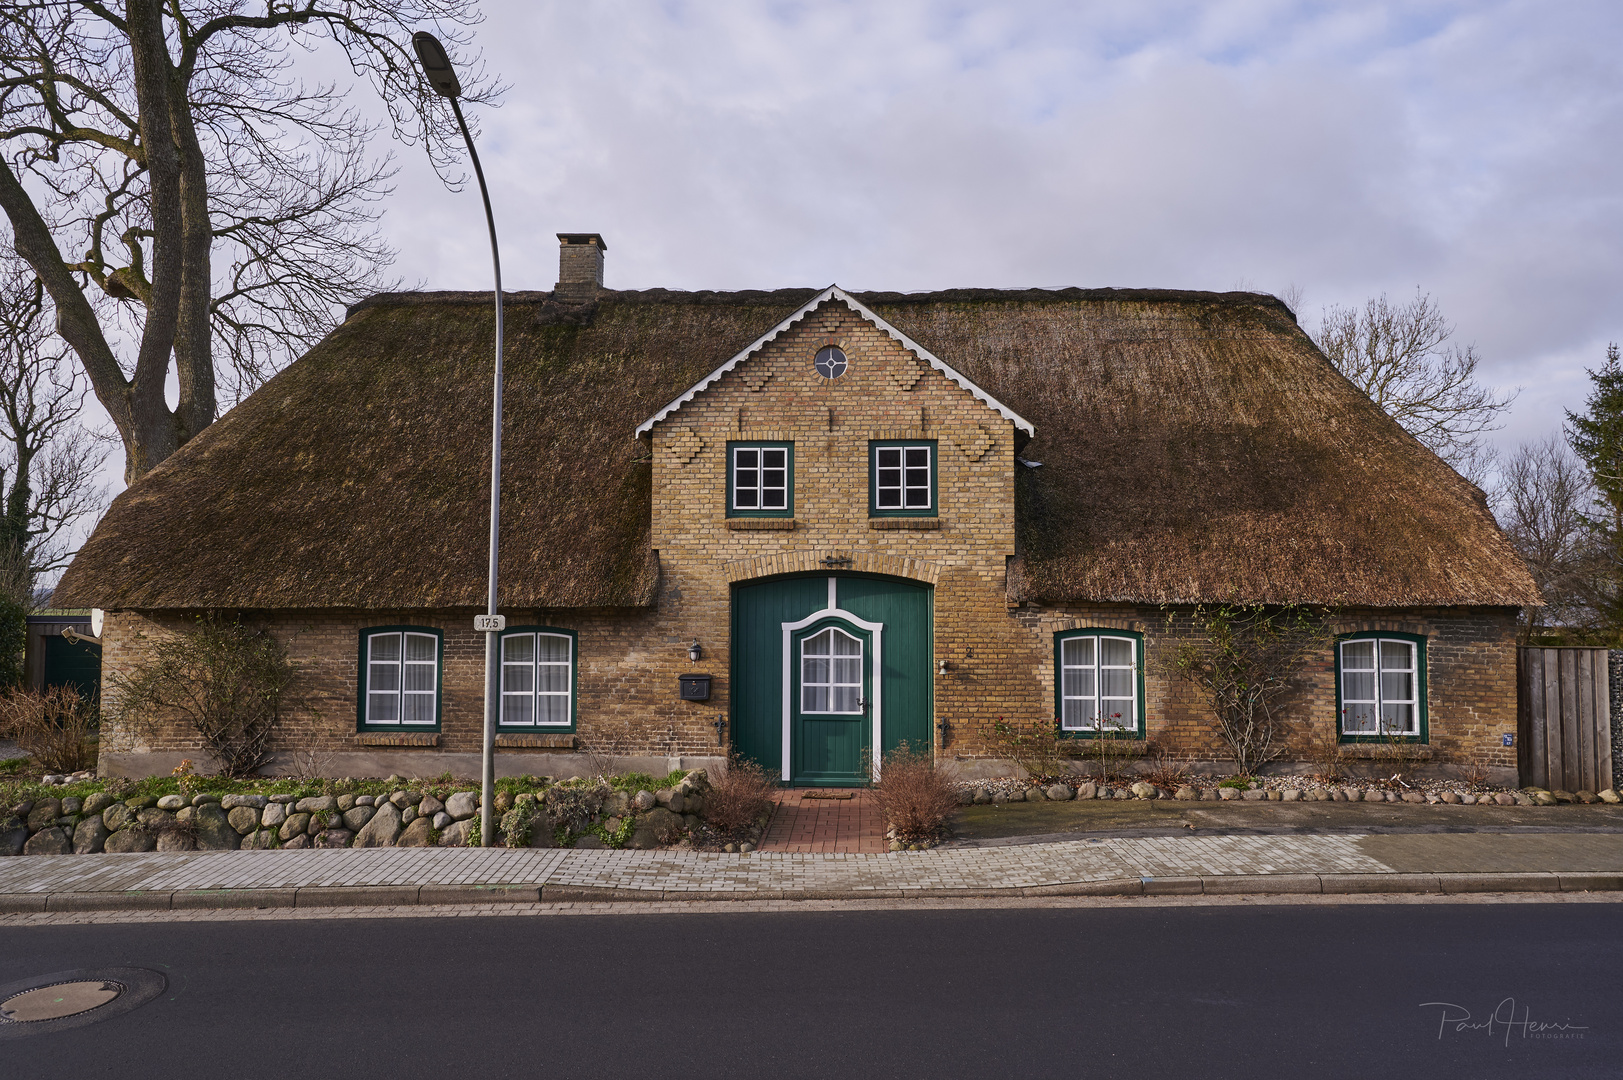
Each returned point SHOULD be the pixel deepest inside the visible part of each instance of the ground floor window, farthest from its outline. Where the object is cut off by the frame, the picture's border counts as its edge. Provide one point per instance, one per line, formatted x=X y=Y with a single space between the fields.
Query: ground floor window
x=538 y=677
x=1099 y=681
x=1381 y=686
x=400 y=676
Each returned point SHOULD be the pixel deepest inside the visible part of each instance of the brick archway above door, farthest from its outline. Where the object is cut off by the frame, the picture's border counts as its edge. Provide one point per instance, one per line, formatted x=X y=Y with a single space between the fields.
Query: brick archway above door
x=811 y=562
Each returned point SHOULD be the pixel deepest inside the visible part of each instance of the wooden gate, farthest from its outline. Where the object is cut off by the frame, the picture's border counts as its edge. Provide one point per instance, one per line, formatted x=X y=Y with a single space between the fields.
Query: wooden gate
x=1564 y=720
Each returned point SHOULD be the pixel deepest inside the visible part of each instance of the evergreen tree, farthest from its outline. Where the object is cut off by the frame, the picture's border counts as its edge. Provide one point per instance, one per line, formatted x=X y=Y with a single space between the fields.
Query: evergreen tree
x=1597 y=438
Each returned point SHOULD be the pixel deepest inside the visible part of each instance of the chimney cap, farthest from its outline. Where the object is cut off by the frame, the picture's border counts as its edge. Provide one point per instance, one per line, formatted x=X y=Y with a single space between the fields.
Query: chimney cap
x=583 y=238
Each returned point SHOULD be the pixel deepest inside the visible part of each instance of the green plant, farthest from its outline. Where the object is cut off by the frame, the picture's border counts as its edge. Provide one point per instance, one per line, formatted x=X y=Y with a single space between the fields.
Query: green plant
x=1246 y=661
x=616 y=839
x=224 y=679
x=53 y=726
x=517 y=822
x=1243 y=782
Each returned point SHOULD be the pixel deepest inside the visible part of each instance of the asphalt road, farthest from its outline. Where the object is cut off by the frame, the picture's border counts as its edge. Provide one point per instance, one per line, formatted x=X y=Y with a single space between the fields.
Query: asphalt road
x=1306 y=991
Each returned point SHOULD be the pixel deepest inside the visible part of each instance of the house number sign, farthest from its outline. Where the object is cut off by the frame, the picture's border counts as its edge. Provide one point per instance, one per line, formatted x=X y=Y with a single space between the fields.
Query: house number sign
x=490 y=623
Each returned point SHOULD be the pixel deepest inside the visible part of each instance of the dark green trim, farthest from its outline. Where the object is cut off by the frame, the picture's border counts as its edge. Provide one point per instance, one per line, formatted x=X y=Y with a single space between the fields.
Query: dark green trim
x=1059 y=684
x=789 y=491
x=873 y=480
x=574 y=677
x=365 y=670
x=1419 y=641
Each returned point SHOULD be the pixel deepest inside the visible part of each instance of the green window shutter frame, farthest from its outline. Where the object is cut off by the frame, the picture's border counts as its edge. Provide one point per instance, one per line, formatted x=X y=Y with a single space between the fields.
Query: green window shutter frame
x=363 y=671
x=874 y=510
x=1138 y=726
x=1422 y=691
x=788 y=510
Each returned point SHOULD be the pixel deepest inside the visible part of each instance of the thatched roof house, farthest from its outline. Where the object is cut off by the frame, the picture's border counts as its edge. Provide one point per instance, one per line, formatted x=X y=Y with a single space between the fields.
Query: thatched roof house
x=1173 y=448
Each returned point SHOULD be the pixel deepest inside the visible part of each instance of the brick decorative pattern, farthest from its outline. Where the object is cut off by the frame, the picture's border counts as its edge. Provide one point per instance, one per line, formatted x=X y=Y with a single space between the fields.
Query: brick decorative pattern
x=998 y=651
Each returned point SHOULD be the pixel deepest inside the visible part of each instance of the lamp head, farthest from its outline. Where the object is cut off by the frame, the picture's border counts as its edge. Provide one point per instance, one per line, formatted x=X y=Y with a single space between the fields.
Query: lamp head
x=436 y=65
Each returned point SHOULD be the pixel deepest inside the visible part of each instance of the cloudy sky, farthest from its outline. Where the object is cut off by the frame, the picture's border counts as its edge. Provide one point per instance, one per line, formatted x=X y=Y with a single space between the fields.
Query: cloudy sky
x=1471 y=150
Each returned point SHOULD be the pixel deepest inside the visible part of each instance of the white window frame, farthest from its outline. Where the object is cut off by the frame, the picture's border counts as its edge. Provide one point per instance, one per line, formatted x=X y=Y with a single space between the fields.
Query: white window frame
x=760 y=487
x=1380 y=701
x=400 y=693
x=1096 y=720
x=535 y=693
x=904 y=487
x=806 y=685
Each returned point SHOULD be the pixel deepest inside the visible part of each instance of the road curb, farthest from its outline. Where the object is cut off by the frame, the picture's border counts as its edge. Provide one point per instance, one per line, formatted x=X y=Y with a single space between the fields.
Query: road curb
x=316 y=896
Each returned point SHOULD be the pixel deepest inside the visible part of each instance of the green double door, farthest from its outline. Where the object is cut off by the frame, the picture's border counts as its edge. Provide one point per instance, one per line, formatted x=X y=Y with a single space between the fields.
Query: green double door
x=825 y=668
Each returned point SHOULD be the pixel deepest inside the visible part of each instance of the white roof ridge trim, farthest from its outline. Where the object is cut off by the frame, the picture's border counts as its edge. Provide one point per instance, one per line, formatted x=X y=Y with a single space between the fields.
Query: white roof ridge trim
x=834 y=292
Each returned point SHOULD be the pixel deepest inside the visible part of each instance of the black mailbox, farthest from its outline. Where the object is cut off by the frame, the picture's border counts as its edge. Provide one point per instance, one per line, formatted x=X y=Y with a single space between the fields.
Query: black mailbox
x=694 y=687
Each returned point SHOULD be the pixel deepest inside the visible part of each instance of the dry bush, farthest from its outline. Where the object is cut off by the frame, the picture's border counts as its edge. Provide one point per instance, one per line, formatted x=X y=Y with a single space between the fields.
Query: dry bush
x=1038 y=748
x=225 y=679
x=1164 y=769
x=1475 y=775
x=738 y=798
x=1329 y=755
x=915 y=799
x=54 y=727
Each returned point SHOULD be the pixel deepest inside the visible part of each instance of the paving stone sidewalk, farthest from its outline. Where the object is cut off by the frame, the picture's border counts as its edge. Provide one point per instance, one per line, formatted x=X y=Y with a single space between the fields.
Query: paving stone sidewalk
x=1148 y=865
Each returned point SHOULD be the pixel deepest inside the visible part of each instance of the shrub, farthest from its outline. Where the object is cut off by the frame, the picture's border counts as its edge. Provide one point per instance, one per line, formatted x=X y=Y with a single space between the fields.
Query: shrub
x=13 y=638
x=1165 y=769
x=225 y=679
x=54 y=726
x=738 y=798
x=915 y=799
x=1037 y=748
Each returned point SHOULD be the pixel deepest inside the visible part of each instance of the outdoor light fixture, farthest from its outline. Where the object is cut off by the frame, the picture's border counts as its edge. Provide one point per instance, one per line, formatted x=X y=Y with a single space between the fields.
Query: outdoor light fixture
x=440 y=75
x=694 y=652
x=941 y=668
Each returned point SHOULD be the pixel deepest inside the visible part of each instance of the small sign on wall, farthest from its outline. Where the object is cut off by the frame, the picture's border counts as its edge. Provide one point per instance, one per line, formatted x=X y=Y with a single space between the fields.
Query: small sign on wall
x=1510 y=740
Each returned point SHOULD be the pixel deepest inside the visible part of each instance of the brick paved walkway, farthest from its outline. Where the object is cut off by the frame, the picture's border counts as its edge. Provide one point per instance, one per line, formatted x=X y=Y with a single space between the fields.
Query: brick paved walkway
x=808 y=820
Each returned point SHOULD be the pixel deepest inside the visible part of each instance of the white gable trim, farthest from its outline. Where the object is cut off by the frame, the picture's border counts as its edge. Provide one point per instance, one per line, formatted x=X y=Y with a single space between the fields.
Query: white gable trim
x=834 y=292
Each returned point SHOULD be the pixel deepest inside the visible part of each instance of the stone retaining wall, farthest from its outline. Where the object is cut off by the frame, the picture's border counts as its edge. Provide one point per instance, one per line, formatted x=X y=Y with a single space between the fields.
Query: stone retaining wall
x=581 y=816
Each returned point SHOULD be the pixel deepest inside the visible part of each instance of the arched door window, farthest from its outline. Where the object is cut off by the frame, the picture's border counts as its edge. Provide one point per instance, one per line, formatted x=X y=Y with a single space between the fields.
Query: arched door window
x=831 y=673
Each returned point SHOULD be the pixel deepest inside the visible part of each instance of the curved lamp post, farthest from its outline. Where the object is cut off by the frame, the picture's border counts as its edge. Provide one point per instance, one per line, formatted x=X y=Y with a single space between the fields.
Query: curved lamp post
x=437 y=68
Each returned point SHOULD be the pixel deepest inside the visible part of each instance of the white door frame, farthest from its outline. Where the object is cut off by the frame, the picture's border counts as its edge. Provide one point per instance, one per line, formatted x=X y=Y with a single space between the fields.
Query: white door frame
x=789 y=628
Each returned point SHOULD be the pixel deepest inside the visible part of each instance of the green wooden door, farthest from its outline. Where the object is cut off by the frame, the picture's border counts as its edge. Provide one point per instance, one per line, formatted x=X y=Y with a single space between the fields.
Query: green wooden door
x=831 y=703
x=892 y=618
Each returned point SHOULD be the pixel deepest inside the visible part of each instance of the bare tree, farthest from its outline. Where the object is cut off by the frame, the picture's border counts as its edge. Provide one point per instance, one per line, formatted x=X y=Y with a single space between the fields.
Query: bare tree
x=49 y=461
x=1541 y=499
x=1401 y=357
x=1245 y=660
x=188 y=203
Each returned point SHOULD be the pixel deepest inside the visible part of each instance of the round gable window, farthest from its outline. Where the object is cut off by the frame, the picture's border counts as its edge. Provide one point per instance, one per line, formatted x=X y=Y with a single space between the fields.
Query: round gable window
x=830 y=362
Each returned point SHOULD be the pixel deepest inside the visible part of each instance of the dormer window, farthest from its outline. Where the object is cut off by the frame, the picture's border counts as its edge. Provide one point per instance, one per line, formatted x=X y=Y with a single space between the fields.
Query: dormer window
x=760 y=479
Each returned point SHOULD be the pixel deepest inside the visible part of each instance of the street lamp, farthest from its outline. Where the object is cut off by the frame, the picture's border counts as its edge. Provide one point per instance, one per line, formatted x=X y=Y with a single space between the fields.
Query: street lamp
x=437 y=68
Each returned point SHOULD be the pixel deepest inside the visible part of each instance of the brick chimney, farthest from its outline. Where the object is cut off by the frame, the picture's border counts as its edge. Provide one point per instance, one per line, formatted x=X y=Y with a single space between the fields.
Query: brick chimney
x=580 y=265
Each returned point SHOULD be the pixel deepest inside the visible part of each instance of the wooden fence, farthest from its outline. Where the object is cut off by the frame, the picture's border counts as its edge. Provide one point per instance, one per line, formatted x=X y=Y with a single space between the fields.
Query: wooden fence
x=1564 y=718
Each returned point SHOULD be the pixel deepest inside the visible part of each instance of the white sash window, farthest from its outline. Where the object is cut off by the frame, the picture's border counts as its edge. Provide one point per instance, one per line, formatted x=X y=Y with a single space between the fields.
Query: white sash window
x=1380 y=687
x=1098 y=683
x=761 y=479
x=402 y=678
x=831 y=673
x=537 y=679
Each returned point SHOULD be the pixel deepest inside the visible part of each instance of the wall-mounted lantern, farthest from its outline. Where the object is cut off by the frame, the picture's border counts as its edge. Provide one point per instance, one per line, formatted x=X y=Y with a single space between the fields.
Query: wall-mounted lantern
x=694 y=652
x=942 y=668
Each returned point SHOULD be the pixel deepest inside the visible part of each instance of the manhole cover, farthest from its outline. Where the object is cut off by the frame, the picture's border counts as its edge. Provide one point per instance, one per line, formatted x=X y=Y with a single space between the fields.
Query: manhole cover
x=55 y=1002
x=70 y=999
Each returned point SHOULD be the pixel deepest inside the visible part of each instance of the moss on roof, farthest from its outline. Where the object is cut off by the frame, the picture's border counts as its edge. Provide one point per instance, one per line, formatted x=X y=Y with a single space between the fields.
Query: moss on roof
x=1195 y=446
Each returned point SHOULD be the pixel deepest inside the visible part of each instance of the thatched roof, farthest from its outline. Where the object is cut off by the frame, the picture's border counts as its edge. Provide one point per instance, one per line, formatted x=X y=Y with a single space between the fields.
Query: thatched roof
x=1194 y=446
